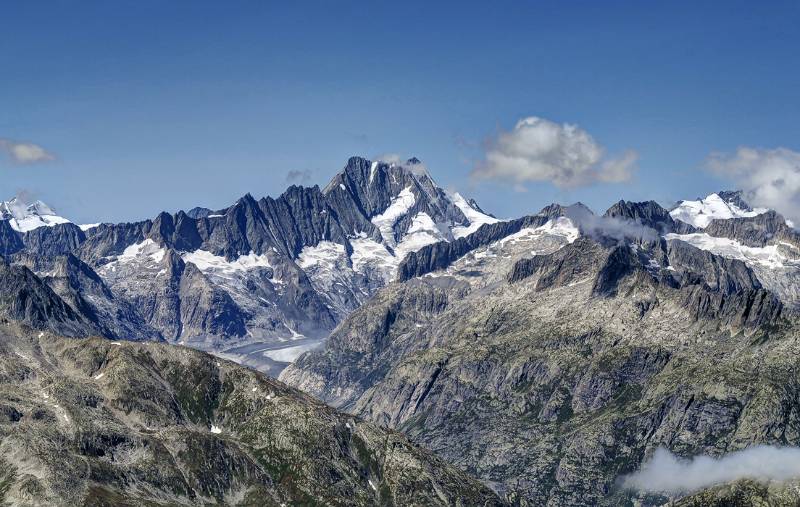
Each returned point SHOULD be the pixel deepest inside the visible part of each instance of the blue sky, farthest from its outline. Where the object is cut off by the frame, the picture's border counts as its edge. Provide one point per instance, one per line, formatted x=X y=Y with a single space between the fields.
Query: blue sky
x=152 y=105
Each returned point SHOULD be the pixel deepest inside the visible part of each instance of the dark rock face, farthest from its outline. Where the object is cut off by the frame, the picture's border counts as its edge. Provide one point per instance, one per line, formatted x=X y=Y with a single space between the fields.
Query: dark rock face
x=53 y=241
x=205 y=309
x=93 y=422
x=735 y=197
x=10 y=240
x=25 y=298
x=755 y=231
x=727 y=276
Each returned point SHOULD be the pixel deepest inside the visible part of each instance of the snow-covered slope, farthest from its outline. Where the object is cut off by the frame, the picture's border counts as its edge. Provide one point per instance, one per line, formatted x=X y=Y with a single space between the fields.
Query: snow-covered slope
x=476 y=217
x=700 y=213
x=24 y=217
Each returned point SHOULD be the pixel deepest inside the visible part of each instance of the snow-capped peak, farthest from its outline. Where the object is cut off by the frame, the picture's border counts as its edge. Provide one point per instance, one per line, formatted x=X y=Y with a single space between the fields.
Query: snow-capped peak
x=24 y=217
x=700 y=213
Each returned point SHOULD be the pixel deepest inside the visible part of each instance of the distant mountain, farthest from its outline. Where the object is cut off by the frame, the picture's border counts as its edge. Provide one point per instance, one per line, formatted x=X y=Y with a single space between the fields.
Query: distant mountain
x=273 y=273
x=24 y=217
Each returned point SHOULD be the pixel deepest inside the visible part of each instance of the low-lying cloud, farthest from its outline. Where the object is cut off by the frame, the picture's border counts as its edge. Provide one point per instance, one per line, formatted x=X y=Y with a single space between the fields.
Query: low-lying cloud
x=537 y=149
x=25 y=153
x=770 y=178
x=667 y=473
x=619 y=229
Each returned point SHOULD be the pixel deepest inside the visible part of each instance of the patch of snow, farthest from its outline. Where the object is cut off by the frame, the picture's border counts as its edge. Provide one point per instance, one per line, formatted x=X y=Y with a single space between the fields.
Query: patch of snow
x=423 y=231
x=372 y=485
x=372 y=257
x=99 y=376
x=215 y=216
x=397 y=209
x=475 y=217
x=30 y=223
x=116 y=343
x=255 y=389
x=701 y=213
x=372 y=169
x=215 y=429
x=341 y=185
x=323 y=255
x=87 y=227
x=147 y=248
x=208 y=262
x=561 y=226
x=768 y=256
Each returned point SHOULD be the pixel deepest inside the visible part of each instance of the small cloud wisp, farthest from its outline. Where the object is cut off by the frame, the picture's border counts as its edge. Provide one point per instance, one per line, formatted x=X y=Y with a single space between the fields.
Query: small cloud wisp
x=667 y=473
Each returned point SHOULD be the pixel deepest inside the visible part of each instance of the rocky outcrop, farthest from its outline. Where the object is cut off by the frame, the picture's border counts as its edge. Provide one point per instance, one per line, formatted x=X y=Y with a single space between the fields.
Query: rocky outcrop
x=755 y=231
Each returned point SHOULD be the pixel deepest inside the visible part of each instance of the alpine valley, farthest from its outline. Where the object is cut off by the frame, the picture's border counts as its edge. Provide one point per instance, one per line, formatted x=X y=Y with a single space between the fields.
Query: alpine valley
x=381 y=341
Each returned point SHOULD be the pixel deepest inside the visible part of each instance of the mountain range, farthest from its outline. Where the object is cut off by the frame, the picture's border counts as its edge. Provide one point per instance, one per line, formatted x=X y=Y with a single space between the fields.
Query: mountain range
x=548 y=356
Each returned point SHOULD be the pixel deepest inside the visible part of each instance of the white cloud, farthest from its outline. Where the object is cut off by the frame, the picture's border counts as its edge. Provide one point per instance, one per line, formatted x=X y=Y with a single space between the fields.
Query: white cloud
x=769 y=177
x=389 y=158
x=25 y=153
x=667 y=473
x=541 y=150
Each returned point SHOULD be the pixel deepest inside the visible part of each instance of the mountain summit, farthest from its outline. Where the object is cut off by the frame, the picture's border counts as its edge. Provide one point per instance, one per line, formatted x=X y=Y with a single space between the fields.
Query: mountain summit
x=24 y=217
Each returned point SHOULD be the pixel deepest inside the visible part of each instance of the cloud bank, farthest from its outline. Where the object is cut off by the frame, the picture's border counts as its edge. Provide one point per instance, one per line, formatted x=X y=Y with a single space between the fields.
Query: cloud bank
x=669 y=474
x=25 y=153
x=537 y=149
x=770 y=178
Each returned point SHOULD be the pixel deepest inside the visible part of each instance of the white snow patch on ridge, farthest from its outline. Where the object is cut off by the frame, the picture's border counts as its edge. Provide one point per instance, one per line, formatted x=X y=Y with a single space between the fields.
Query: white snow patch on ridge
x=25 y=217
x=769 y=256
x=701 y=213
x=147 y=248
x=372 y=169
x=208 y=262
x=323 y=255
x=370 y=256
x=423 y=231
x=561 y=226
x=475 y=217
x=396 y=210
